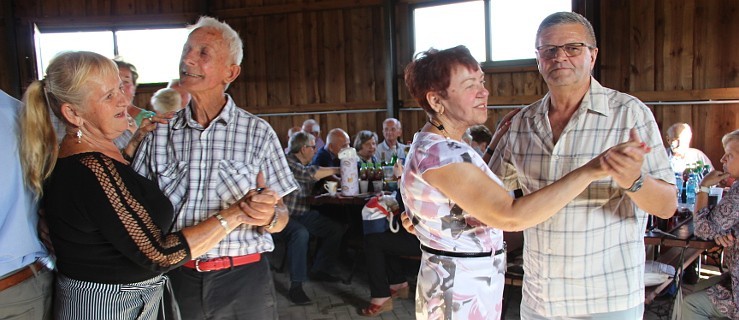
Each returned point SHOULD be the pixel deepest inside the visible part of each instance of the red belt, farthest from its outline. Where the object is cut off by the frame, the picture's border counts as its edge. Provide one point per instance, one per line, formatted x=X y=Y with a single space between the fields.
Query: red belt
x=221 y=263
x=20 y=276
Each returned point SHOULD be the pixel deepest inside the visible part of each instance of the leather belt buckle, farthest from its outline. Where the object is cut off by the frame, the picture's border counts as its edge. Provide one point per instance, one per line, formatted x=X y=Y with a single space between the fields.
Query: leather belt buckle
x=197 y=265
x=221 y=263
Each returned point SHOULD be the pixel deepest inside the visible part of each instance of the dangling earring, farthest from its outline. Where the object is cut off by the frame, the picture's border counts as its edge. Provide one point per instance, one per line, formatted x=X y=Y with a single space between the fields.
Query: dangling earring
x=79 y=136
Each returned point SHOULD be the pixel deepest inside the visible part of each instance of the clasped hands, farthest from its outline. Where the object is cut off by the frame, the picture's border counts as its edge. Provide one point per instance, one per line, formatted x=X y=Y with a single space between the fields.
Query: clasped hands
x=623 y=161
x=258 y=206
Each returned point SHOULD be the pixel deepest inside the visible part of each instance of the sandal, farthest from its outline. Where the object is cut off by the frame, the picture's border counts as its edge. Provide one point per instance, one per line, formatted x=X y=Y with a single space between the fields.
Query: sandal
x=402 y=293
x=375 y=309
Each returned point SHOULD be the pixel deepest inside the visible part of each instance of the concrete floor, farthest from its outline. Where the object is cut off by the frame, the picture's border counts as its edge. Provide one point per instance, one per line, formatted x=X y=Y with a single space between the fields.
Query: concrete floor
x=342 y=301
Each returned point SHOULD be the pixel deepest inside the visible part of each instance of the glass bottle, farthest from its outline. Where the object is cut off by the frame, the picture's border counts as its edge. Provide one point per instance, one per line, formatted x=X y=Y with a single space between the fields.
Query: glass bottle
x=679 y=186
x=363 y=171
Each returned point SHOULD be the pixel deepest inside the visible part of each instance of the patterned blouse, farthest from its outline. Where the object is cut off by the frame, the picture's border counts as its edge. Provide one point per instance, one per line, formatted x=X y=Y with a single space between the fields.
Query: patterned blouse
x=440 y=223
x=719 y=220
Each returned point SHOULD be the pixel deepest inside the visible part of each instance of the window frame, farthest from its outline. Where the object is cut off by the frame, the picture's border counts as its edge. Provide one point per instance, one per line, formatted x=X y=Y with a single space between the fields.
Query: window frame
x=488 y=64
x=61 y=28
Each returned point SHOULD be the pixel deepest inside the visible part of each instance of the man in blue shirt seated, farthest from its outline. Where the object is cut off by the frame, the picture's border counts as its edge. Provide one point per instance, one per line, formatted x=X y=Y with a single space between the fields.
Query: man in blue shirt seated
x=304 y=221
x=328 y=156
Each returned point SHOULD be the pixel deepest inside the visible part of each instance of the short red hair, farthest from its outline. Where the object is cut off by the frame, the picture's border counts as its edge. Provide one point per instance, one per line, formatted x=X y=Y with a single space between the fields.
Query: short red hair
x=432 y=71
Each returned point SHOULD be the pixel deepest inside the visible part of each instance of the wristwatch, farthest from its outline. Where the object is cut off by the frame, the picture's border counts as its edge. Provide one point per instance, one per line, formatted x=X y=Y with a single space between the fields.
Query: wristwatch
x=707 y=190
x=272 y=223
x=637 y=184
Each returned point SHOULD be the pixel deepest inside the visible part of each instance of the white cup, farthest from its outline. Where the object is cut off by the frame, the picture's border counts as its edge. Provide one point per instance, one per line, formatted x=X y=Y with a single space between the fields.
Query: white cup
x=363 y=186
x=330 y=186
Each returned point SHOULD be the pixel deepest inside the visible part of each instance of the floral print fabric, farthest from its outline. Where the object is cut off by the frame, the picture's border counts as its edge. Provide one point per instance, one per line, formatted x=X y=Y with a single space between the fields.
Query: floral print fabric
x=719 y=220
x=449 y=287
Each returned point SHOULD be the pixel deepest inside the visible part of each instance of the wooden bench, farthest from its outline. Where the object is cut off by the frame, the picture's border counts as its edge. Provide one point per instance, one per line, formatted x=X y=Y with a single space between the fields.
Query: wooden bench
x=672 y=257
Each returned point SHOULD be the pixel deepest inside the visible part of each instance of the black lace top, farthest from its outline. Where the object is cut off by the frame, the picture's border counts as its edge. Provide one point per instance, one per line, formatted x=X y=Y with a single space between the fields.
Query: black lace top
x=108 y=224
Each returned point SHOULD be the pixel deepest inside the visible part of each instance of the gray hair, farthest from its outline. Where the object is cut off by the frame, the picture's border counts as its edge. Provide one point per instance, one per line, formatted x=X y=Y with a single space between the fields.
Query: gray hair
x=362 y=137
x=314 y=127
x=396 y=121
x=298 y=140
x=235 y=45
x=729 y=137
x=166 y=100
x=566 y=17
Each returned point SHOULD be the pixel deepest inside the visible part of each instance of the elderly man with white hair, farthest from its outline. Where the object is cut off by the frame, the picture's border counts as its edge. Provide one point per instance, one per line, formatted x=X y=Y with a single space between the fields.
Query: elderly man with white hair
x=391 y=130
x=208 y=157
x=679 y=151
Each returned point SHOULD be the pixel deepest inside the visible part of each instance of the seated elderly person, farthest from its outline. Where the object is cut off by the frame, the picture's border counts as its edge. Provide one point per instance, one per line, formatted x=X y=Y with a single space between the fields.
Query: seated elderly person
x=311 y=126
x=304 y=221
x=383 y=252
x=366 y=144
x=719 y=222
x=679 y=151
x=328 y=156
x=290 y=132
x=391 y=146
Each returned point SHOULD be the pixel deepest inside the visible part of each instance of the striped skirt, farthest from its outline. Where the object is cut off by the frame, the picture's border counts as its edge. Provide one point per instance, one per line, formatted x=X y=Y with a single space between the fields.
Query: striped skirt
x=75 y=299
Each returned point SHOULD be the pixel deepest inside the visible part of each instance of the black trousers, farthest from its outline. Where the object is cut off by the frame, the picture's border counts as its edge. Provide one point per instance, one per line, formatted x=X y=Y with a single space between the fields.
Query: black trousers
x=384 y=266
x=245 y=292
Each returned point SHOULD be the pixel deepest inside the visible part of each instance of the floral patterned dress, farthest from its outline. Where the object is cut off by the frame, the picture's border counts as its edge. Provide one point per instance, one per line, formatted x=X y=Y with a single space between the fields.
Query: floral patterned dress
x=720 y=220
x=450 y=287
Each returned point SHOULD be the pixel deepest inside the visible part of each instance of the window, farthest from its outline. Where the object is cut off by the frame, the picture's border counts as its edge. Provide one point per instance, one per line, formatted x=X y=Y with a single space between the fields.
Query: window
x=450 y=25
x=511 y=26
x=154 y=52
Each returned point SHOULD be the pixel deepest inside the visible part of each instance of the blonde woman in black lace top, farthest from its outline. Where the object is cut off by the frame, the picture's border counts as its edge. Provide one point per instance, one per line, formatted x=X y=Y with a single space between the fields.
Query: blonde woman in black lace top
x=109 y=226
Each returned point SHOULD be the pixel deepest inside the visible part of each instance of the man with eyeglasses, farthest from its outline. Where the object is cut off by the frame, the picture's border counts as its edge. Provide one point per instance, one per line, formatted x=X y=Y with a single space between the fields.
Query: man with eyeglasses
x=305 y=222
x=586 y=261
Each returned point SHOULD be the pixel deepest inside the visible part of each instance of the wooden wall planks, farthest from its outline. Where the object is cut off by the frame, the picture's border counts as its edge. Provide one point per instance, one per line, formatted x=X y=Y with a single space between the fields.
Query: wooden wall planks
x=323 y=55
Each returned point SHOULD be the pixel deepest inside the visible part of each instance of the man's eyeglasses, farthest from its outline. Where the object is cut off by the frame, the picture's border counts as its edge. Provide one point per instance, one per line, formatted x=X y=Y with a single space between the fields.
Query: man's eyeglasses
x=313 y=146
x=570 y=49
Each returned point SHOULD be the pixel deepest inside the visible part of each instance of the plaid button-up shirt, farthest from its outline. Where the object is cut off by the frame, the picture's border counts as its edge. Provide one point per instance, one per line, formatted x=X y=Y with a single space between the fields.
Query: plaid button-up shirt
x=589 y=257
x=297 y=201
x=203 y=170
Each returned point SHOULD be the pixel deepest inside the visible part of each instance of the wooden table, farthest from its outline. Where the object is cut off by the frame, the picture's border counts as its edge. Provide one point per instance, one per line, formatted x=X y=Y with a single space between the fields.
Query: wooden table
x=678 y=247
x=325 y=198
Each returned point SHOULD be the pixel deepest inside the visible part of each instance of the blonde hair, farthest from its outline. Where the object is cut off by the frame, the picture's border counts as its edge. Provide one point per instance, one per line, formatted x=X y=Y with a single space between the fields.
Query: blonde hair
x=66 y=81
x=166 y=100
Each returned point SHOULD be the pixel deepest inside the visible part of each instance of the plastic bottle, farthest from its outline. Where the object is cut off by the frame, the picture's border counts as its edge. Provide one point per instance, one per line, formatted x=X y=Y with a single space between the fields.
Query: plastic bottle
x=690 y=187
x=679 y=186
